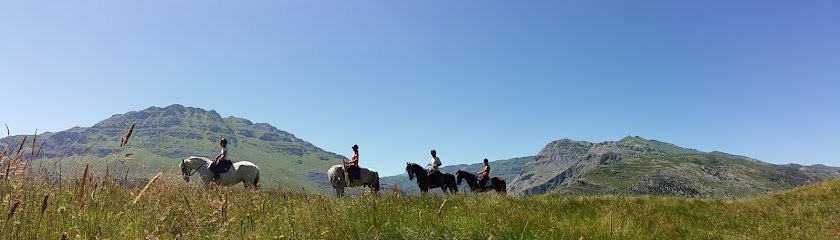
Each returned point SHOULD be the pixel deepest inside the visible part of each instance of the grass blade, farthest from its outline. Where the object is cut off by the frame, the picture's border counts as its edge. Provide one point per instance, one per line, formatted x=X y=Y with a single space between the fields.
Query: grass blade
x=127 y=135
x=20 y=148
x=146 y=187
x=34 y=137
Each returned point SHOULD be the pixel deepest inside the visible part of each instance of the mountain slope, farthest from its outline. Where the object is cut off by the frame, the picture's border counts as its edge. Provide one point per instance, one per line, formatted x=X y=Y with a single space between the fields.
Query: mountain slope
x=164 y=136
x=507 y=168
x=638 y=166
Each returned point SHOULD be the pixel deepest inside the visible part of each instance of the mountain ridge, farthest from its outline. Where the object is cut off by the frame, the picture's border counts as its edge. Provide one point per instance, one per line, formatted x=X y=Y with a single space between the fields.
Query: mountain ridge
x=163 y=136
x=634 y=165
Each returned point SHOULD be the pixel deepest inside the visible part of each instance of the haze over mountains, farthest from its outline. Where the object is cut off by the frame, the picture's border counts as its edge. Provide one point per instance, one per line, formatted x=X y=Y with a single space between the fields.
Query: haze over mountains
x=633 y=165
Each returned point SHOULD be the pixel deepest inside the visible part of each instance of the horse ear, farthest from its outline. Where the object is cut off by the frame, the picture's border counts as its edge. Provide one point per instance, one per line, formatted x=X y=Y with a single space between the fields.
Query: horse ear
x=407 y=163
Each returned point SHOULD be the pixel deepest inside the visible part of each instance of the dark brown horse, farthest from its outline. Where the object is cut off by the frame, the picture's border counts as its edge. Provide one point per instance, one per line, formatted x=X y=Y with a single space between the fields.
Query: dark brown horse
x=497 y=183
x=444 y=181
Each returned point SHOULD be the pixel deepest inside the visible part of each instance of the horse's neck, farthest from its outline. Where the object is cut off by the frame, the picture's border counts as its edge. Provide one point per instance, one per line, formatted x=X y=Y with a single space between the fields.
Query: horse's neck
x=472 y=180
x=418 y=169
x=420 y=173
x=197 y=163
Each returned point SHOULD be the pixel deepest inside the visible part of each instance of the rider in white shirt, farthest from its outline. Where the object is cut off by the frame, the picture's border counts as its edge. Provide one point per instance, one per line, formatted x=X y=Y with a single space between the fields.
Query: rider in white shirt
x=221 y=159
x=434 y=163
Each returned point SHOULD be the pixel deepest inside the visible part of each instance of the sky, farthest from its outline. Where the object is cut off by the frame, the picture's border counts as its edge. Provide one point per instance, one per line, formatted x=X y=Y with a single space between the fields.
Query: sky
x=472 y=79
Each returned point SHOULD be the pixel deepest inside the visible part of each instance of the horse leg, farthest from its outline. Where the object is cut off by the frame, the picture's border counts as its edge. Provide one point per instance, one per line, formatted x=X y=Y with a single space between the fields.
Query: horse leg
x=245 y=183
x=248 y=184
x=498 y=188
x=339 y=191
x=205 y=183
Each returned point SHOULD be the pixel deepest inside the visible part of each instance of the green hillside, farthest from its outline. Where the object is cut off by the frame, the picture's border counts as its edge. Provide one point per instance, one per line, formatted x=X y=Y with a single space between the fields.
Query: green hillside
x=164 y=136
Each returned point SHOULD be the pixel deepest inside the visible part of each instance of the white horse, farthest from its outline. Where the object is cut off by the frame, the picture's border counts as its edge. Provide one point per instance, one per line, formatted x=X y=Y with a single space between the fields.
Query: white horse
x=244 y=172
x=368 y=178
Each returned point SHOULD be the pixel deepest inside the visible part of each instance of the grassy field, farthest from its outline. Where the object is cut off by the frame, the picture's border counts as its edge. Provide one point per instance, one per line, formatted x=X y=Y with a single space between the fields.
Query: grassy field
x=98 y=207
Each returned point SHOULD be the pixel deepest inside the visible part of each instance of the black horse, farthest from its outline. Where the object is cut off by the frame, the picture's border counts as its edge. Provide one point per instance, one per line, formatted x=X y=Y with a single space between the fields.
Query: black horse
x=497 y=183
x=444 y=181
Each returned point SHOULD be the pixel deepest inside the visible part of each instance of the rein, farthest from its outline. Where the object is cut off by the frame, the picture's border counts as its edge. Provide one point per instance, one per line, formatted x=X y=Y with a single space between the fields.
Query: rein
x=184 y=162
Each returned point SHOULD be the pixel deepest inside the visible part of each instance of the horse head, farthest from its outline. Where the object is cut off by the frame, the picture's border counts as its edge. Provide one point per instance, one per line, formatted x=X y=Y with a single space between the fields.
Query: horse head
x=184 y=171
x=409 y=171
x=188 y=164
x=459 y=176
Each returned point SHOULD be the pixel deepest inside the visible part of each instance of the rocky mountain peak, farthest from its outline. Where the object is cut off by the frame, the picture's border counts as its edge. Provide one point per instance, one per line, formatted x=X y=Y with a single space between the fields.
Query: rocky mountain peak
x=635 y=165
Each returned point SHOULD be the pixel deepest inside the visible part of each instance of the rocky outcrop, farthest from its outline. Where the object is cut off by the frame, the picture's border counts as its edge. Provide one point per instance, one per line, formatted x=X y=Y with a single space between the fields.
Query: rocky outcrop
x=639 y=166
x=550 y=166
x=563 y=161
x=669 y=182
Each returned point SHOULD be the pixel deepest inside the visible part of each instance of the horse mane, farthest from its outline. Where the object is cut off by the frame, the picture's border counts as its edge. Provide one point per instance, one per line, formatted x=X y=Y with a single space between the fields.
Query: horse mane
x=415 y=167
x=419 y=172
x=206 y=159
x=469 y=174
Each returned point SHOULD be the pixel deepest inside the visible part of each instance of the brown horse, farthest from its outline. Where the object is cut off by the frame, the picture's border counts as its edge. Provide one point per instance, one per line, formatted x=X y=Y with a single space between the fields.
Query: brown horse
x=497 y=183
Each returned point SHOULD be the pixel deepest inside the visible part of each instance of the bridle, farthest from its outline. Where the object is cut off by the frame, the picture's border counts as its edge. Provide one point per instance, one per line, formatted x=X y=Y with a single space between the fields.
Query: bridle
x=184 y=170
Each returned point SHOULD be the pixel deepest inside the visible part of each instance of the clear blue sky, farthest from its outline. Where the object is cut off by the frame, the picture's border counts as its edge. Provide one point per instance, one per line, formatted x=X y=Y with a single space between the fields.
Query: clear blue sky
x=473 y=79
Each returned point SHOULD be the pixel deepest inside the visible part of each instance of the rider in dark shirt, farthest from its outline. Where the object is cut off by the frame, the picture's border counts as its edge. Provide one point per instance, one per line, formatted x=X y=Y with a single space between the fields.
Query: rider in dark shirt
x=484 y=174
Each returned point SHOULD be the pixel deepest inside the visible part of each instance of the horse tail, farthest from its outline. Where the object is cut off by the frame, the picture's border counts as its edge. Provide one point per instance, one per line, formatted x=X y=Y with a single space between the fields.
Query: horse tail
x=257 y=181
x=376 y=182
x=504 y=185
x=453 y=187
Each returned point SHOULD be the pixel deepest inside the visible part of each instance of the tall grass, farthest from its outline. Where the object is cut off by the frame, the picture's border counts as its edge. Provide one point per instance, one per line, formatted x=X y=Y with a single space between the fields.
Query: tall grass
x=107 y=205
x=167 y=207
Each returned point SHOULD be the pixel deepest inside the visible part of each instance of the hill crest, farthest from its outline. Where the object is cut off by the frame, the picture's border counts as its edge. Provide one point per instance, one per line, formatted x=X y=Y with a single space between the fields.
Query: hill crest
x=162 y=136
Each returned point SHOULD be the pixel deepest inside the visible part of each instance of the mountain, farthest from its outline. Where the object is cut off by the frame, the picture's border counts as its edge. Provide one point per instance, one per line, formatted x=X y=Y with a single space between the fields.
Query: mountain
x=507 y=168
x=635 y=165
x=164 y=136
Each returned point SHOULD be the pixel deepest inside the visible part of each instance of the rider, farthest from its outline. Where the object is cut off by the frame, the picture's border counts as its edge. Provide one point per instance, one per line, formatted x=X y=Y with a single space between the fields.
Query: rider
x=435 y=163
x=484 y=174
x=221 y=160
x=353 y=164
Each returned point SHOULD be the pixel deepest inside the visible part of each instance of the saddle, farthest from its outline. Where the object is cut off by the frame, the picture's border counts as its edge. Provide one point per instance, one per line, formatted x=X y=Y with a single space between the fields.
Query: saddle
x=221 y=166
x=354 y=172
x=487 y=182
